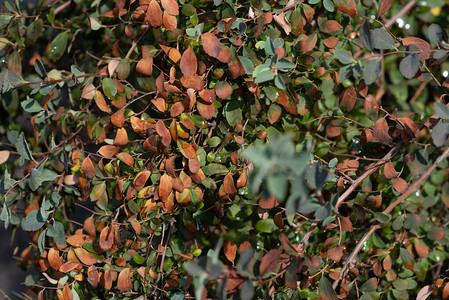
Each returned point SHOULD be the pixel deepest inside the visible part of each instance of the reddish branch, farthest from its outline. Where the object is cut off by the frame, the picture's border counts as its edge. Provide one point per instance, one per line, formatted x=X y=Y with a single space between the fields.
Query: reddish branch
x=351 y=259
x=56 y=80
x=400 y=13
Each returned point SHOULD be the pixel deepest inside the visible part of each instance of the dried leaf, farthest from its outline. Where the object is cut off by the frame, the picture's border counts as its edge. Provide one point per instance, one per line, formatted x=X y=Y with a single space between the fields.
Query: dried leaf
x=77 y=240
x=68 y=266
x=124 y=280
x=101 y=102
x=126 y=158
x=141 y=179
x=223 y=90
x=67 y=293
x=335 y=253
x=165 y=186
x=145 y=66
x=93 y=277
x=389 y=170
x=206 y=110
x=121 y=138
x=347 y=99
x=380 y=131
x=159 y=103
x=169 y=21
x=88 y=168
x=283 y=23
x=420 y=43
x=118 y=119
x=194 y=82
x=54 y=259
x=4 y=155
x=170 y=6
x=106 y=239
x=346 y=6
x=425 y=292
x=154 y=14
x=85 y=257
x=189 y=63
x=211 y=44
x=400 y=185
x=230 y=250
x=270 y=261
x=228 y=185
x=384 y=6
x=108 y=151
x=207 y=95
x=172 y=53
x=163 y=132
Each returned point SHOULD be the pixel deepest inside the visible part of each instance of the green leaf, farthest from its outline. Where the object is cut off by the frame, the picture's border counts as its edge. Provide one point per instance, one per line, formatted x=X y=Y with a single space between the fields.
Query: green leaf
x=139 y=259
x=247 y=290
x=409 y=65
x=382 y=217
x=8 y=80
x=35 y=30
x=440 y=134
x=264 y=76
x=316 y=176
x=266 y=226
x=5 y=216
x=329 y=5
x=369 y=286
x=442 y=110
x=277 y=185
x=382 y=39
x=4 y=20
x=279 y=82
x=233 y=113
x=41 y=241
x=269 y=47
x=56 y=231
x=31 y=105
x=247 y=65
x=23 y=148
x=40 y=69
x=109 y=87
x=35 y=179
x=325 y=289
x=400 y=284
x=344 y=56
x=284 y=64
x=366 y=36
x=33 y=221
x=440 y=54
x=435 y=34
x=372 y=70
x=58 y=46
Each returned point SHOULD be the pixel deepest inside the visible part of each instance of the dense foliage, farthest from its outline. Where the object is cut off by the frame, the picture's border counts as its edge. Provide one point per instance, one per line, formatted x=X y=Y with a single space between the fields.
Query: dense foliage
x=227 y=149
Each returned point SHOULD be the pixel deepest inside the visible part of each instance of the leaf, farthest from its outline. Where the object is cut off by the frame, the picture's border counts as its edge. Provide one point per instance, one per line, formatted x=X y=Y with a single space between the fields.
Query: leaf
x=211 y=44
x=230 y=250
x=109 y=87
x=192 y=82
x=389 y=170
x=400 y=185
x=425 y=292
x=68 y=266
x=442 y=110
x=33 y=221
x=382 y=39
x=371 y=107
x=347 y=99
x=88 y=168
x=9 y=80
x=380 y=131
x=330 y=26
x=207 y=95
x=335 y=253
x=4 y=155
x=165 y=187
x=106 y=238
x=163 y=132
x=384 y=6
x=126 y=158
x=228 y=185
x=282 y=22
x=124 y=280
x=85 y=257
x=325 y=290
x=369 y=286
x=141 y=179
x=297 y=22
x=247 y=65
x=270 y=261
x=409 y=66
x=366 y=36
x=421 y=248
x=233 y=113
x=188 y=63
x=346 y=6
x=154 y=14
x=435 y=34
x=279 y=82
x=223 y=90
x=170 y=6
x=344 y=56
x=77 y=240
x=440 y=134
x=372 y=70
x=54 y=259
x=58 y=46
x=264 y=76
x=420 y=43
x=23 y=147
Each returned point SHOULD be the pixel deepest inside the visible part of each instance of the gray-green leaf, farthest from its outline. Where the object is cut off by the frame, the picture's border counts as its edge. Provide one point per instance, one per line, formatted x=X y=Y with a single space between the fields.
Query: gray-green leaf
x=23 y=148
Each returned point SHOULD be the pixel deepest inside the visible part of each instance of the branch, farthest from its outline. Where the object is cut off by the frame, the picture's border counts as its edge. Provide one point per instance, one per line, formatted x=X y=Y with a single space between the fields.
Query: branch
x=136 y=42
x=351 y=259
x=400 y=13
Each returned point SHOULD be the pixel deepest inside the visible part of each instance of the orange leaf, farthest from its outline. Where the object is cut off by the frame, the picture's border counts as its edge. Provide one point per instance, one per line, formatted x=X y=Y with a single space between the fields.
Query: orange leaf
x=101 y=102
x=159 y=103
x=446 y=291
x=380 y=131
x=187 y=150
x=189 y=63
x=206 y=110
x=85 y=257
x=67 y=293
x=106 y=239
x=77 y=240
x=176 y=109
x=400 y=185
x=54 y=259
x=138 y=125
x=192 y=82
x=121 y=138
x=171 y=6
x=93 y=277
x=172 y=53
x=170 y=22
x=230 y=249
x=68 y=266
x=118 y=119
x=165 y=186
x=141 y=179
x=88 y=168
x=389 y=170
x=224 y=55
x=194 y=165
x=124 y=280
x=107 y=277
x=335 y=253
x=4 y=155
x=270 y=261
x=89 y=226
x=126 y=158
x=163 y=132
x=228 y=185
x=154 y=14
x=145 y=66
x=211 y=44
x=421 y=248
x=387 y=263
x=223 y=90
x=384 y=6
x=108 y=151
x=347 y=99
x=207 y=95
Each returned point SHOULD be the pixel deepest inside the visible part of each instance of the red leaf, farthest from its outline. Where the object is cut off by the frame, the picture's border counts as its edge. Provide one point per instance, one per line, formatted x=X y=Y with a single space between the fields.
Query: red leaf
x=347 y=99
x=384 y=6
x=380 y=131
x=270 y=261
x=346 y=6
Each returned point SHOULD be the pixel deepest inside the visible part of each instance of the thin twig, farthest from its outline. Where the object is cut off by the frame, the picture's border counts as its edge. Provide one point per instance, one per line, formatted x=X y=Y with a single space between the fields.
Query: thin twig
x=400 y=13
x=136 y=42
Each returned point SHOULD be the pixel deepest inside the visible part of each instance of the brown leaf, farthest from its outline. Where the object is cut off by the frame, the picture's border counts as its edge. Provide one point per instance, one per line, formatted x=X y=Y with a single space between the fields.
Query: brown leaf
x=380 y=131
x=270 y=261
x=118 y=119
x=172 y=53
x=400 y=185
x=88 y=91
x=4 y=155
x=126 y=158
x=77 y=240
x=421 y=248
x=223 y=90
x=141 y=179
x=283 y=23
x=93 y=277
x=163 y=132
x=446 y=291
x=224 y=55
x=207 y=95
x=107 y=276
x=101 y=102
x=165 y=186
x=170 y=6
x=187 y=149
x=346 y=6
x=389 y=170
x=346 y=224
x=68 y=266
x=176 y=109
x=347 y=99
x=387 y=263
x=194 y=165
x=230 y=249
x=228 y=185
x=420 y=43
x=106 y=239
x=286 y=243
x=189 y=63
x=330 y=26
x=67 y=293
x=384 y=6
x=89 y=226
x=121 y=138
x=145 y=66
x=154 y=14
x=211 y=44
x=85 y=257
x=88 y=168
x=124 y=280
x=54 y=259
x=194 y=82
x=108 y=151
x=170 y=22
x=159 y=103
x=425 y=292
x=242 y=180
x=335 y=253
x=206 y=110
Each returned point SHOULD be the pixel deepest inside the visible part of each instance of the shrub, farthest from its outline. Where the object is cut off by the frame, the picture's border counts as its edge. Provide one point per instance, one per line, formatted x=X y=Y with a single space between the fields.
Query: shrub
x=247 y=149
